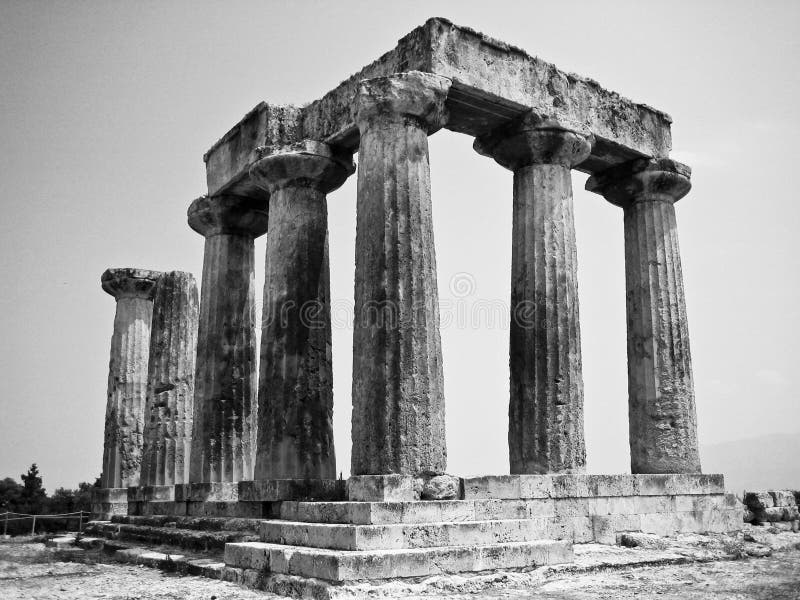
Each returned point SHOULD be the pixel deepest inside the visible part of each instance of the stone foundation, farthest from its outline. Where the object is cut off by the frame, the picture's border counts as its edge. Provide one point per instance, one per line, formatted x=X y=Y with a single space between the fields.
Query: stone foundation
x=107 y=502
x=378 y=528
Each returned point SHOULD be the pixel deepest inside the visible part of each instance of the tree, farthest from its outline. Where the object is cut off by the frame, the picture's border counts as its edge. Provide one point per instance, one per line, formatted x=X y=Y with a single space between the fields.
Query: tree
x=33 y=494
x=10 y=495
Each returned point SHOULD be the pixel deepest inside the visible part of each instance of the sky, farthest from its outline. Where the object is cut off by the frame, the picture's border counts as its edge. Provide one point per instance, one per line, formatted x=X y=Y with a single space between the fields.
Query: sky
x=106 y=109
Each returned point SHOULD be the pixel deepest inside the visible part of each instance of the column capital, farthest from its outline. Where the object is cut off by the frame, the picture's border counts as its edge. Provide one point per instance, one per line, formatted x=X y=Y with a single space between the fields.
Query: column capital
x=214 y=215
x=531 y=140
x=414 y=96
x=642 y=180
x=129 y=282
x=310 y=164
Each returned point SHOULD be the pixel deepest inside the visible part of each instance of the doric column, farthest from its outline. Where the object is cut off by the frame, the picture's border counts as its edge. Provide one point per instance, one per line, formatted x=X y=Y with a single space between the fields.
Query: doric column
x=295 y=397
x=545 y=433
x=223 y=435
x=398 y=396
x=662 y=417
x=127 y=374
x=170 y=384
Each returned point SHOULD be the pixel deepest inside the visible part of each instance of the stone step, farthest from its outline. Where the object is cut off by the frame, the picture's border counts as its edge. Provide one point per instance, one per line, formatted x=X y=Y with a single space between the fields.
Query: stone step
x=338 y=565
x=589 y=486
x=194 y=523
x=433 y=511
x=189 y=539
x=406 y=535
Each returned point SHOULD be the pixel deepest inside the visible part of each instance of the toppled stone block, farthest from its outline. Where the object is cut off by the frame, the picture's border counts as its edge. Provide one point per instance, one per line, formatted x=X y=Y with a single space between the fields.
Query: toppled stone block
x=604 y=530
x=783 y=498
x=791 y=513
x=769 y=515
x=758 y=500
x=441 y=487
x=641 y=540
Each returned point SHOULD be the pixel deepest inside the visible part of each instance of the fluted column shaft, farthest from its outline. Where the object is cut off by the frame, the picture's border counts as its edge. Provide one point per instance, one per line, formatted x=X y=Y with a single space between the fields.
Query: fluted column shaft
x=295 y=406
x=546 y=433
x=127 y=374
x=398 y=395
x=170 y=385
x=661 y=403
x=225 y=401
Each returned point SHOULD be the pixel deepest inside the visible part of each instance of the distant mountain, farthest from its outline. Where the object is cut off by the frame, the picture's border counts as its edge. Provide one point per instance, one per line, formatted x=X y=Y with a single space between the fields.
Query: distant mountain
x=760 y=463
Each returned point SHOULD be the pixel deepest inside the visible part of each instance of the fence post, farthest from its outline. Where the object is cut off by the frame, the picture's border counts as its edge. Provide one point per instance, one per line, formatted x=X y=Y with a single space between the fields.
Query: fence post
x=5 y=526
x=80 y=523
x=33 y=527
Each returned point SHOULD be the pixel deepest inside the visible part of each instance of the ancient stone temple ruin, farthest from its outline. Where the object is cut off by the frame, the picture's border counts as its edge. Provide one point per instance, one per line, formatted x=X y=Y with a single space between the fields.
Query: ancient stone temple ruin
x=202 y=423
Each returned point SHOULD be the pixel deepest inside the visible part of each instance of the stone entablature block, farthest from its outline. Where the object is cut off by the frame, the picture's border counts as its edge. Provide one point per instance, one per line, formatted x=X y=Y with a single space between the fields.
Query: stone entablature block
x=492 y=84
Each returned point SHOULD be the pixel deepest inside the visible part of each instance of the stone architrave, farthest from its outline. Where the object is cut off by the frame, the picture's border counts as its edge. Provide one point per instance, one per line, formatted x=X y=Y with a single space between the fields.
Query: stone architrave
x=295 y=405
x=661 y=404
x=545 y=433
x=127 y=374
x=398 y=396
x=225 y=401
x=170 y=385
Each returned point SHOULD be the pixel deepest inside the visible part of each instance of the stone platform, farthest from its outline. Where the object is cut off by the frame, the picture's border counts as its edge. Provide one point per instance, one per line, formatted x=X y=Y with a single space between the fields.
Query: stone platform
x=379 y=528
x=498 y=522
x=245 y=499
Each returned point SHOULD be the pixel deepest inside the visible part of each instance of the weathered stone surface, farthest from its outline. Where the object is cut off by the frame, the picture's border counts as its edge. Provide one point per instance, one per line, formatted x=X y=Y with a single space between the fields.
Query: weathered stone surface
x=756 y=500
x=441 y=487
x=382 y=488
x=592 y=486
x=170 y=385
x=403 y=536
x=336 y=565
x=107 y=502
x=546 y=408
x=493 y=83
x=273 y=490
x=773 y=513
x=662 y=416
x=783 y=497
x=127 y=374
x=225 y=401
x=398 y=392
x=295 y=407
x=634 y=539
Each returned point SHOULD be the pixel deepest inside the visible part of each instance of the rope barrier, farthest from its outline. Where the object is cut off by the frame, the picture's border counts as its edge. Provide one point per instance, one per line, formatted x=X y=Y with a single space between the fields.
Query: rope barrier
x=41 y=516
x=22 y=516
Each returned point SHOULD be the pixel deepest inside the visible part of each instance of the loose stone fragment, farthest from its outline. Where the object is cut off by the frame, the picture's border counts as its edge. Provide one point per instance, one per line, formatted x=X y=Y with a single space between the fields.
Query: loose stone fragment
x=783 y=498
x=441 y=487
x=642 y=540
x=759 y=500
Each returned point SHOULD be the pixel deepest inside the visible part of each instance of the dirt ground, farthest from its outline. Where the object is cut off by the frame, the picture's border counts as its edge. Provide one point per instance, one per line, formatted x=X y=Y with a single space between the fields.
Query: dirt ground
x=28 y=570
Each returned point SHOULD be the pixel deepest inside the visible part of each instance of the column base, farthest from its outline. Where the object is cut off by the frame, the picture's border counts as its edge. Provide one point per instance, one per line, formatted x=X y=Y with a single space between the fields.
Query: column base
x=107 y=502
x=277 y=490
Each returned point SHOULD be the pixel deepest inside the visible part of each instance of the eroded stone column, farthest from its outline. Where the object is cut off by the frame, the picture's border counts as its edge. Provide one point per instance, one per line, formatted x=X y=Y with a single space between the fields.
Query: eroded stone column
x=398 y=396
x=127 y=374
x=170 y=385
x=545 y=433
x=661 y=405
x=295 y=405
x=225 y=402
